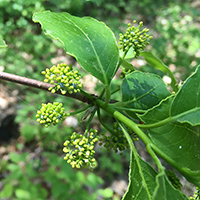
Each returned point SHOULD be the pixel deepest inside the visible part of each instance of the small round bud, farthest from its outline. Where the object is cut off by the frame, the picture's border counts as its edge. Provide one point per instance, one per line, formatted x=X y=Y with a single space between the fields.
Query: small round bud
x=64 y=78
x=135 y=38
x=51 y=114
x=79 y=149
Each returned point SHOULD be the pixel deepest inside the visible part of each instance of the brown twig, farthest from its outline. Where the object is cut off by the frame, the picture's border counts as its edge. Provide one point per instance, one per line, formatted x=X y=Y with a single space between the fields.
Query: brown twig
x=42 y=85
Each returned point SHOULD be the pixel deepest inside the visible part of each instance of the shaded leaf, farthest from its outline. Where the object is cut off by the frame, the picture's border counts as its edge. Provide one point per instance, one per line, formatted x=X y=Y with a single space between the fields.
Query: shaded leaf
x=179 y=141
x=91 y=42
x=141 y=180
x=165 y=191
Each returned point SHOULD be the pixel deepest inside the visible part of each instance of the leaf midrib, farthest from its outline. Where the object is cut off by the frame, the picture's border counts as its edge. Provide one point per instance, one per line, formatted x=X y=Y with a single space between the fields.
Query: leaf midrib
x=98 y=60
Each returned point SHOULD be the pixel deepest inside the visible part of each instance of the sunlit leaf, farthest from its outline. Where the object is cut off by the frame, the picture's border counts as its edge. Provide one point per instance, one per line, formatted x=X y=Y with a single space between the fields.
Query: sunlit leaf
x=187 y=101
x=91 y=42
x=158 y=64
x=143 y=90
x=154 y=61
x=2 y=44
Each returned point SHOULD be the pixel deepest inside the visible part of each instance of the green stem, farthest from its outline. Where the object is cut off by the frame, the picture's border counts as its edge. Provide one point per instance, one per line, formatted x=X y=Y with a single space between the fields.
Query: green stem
x=119 y=116
x=78 y=111
x=157 y=124
x=122 y=59
x=129 y=109
x=130 y=141
x=167 y=120
x=108 y=94
x=154 y=156
x=89 y=121
x=102 y=93
x=113 y=92
x=87 y=95
x=102 y=123
x=173 y=84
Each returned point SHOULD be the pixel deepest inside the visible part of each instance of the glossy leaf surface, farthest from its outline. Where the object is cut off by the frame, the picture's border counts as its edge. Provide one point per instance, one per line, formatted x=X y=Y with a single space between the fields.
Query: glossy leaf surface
x=91 y=42
x=143 y=90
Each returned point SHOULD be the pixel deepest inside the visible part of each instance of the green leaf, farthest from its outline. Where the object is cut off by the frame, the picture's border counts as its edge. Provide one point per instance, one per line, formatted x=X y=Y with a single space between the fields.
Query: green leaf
x=127 y=65
x=187 y=100
x=179 y=141
x=91 y=42
x=28 y=132
x=165 y=191
x=106 y=193
x=2 y=44
x=141 y=180
x=143 y=90
x=22 y=194
x=154 y=61
x=158 y=64
x=129 y=55
x=7 y=191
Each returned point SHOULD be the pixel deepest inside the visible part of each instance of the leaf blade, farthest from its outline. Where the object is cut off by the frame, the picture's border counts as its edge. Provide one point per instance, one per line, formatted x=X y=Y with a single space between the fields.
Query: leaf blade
x=179 y=141
x=141 y=179
x=187 y=101
x=143 y=91
x=165 y=191
x=91 y=42
x=155 y=62
x=2 y=44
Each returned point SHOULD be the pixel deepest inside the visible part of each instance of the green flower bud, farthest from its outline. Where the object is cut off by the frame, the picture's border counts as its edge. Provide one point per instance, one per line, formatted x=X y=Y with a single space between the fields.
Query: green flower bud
x=51 y=114
x=64 y=79
x=135 y=38
x=81 y=147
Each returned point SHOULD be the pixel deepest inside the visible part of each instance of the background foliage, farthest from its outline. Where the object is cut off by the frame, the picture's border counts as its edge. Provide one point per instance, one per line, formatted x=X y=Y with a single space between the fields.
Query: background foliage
x=35 y=165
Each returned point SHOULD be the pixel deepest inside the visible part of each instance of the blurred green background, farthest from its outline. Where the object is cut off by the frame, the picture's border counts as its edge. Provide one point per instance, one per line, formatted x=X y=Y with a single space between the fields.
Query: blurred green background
x=31 y=164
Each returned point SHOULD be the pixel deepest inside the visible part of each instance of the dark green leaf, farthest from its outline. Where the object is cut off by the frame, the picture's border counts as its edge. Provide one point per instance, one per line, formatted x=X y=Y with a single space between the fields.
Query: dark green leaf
x=143 y=90
x=141 y=180
x=165 y=191
x=91 y=42
x=179 y=141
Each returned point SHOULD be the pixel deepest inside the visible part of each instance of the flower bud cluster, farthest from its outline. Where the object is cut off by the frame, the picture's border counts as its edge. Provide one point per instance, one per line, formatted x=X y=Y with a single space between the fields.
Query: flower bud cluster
x=80 y=150
x=117 y=141
x=125 y=72
x=64 y=79
x=134 y=37
x=175 y=181
x=51 y=114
